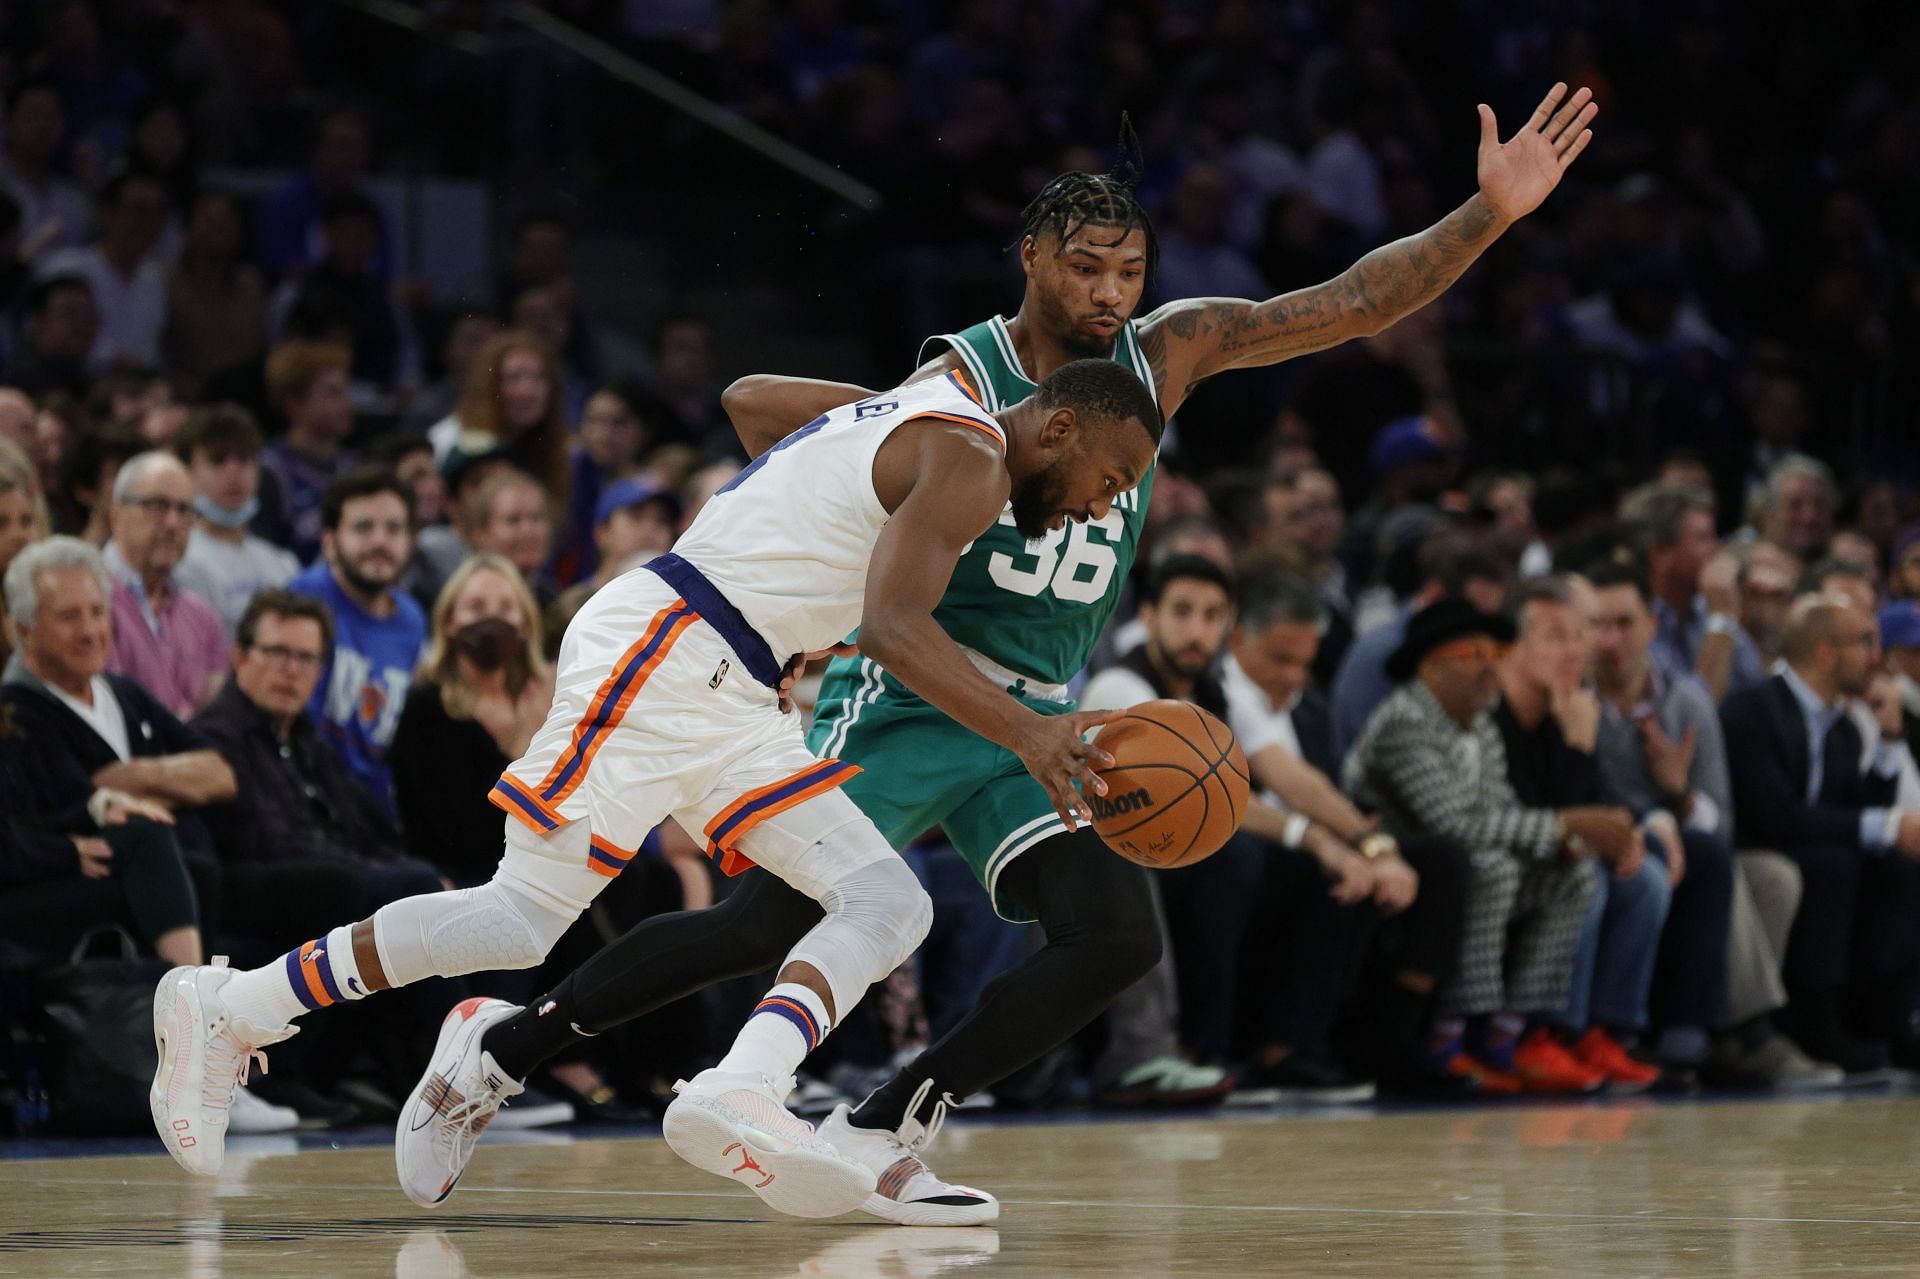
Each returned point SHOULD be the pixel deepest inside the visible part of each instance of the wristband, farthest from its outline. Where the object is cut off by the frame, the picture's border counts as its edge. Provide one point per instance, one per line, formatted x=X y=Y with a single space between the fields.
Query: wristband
x=1722 y=624
x=1295 y=831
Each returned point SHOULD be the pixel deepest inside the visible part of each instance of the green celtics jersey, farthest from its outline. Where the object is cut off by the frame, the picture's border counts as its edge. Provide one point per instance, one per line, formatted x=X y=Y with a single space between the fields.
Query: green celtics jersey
x=1037 y=608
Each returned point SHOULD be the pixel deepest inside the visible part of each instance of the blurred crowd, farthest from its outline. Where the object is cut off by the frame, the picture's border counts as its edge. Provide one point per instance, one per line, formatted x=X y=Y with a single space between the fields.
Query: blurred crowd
x=1621 y=529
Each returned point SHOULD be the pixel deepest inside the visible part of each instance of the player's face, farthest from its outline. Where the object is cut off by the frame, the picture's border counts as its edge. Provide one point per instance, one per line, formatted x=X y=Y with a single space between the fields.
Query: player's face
x=1189 y=625
x=371 y=546
x=1085 y=290
x=1095 y=465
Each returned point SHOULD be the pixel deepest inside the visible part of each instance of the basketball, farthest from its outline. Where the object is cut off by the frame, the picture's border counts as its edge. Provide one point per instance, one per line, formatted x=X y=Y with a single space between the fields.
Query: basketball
x=1177 y=788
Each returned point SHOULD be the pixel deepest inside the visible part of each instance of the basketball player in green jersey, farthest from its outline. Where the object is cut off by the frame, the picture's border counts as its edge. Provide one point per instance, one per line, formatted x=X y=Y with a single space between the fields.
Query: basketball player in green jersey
x=1029 y=614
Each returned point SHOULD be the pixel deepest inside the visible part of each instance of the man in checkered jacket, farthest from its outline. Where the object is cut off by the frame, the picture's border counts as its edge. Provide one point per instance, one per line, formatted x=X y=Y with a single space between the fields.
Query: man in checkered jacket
x=1432 y=763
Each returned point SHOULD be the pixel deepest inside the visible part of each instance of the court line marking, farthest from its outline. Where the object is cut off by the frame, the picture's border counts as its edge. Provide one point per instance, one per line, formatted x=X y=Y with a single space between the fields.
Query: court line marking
x=1293 y=1209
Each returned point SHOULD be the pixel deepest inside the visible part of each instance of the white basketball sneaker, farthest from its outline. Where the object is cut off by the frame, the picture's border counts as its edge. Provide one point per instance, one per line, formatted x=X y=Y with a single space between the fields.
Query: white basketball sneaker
x=907 y=1192
x=452 y=1104
x=204 y=1056
x=738 y=1126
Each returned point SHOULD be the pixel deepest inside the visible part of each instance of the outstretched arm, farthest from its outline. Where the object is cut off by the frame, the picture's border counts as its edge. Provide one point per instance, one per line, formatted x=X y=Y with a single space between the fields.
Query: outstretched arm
x=768 y=407
x=1190 y=340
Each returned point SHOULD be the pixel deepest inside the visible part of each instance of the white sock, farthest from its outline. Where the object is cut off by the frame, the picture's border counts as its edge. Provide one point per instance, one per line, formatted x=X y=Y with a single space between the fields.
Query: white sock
x=308 y=977
x=785 y=1026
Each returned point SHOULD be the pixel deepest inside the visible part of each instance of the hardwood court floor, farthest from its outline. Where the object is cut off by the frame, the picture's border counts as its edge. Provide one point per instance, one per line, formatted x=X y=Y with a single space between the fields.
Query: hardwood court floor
x=1607 y=1189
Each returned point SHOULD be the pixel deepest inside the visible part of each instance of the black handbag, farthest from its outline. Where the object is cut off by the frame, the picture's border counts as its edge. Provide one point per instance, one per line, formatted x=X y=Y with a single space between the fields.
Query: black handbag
x=96 y=1026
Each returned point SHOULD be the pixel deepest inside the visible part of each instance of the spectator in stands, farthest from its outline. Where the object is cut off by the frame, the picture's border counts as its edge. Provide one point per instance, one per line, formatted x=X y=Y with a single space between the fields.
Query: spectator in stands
x=1452 y=565
x=1660 y=749
x=1431 y=761
x=129 y=285
x=1696 y=593
x=1844 y=578
x=296 y=801
x=542 y=311
x=165 y=636
x=1327 y=877
x=23 y=521
x=542 y=259
x=1796 y=514
x=1196 y=258
x=410 y=458
x=367 y=518
x=140 y=399
x=1903 y=566
x=53 y=211
x=226 y=562
x=507 y=516
x=386 y=354
x=216 y=303
x=1549 y=724
x=58 y=327
x=637 y=521
x=310 y=383
x=82 y=502
x=511 y=404
x=1900 y=640
x=1807 y=783
x=1413 y=460
x=288 y=224
x=1767 y=575
x=1305 y=514
x=91 y=730
x=466 y=333
x=615 y=433
x=484 y=689
x=683 y=369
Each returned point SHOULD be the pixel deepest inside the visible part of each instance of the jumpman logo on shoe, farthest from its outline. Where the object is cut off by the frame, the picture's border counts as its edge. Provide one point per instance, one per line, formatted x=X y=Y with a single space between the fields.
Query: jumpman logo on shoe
x=747 y=1161
x=547 y=1007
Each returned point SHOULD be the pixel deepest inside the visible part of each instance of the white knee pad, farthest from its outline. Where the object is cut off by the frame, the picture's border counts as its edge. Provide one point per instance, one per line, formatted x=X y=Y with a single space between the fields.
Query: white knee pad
x=876 y=917
x=469 y=930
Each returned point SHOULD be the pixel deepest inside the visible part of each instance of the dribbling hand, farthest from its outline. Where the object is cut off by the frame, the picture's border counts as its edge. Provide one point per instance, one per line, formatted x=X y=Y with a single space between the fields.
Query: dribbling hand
x=1056 y=753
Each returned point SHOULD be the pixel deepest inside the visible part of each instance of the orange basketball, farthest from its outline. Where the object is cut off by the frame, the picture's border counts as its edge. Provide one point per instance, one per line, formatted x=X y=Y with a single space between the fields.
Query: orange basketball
x=1177 y=788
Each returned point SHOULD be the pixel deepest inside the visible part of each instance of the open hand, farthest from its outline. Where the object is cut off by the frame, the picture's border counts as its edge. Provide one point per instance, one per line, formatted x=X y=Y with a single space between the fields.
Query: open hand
x=1516 y=175
x=1056 y=753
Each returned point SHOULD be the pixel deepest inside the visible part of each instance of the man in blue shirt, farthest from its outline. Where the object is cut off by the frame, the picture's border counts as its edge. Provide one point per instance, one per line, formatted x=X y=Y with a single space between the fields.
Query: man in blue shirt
x=366 y=537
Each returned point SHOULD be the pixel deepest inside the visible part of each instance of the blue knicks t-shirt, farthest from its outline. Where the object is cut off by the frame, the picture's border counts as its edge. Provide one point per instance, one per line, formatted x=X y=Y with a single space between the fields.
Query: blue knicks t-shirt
x=357 y=704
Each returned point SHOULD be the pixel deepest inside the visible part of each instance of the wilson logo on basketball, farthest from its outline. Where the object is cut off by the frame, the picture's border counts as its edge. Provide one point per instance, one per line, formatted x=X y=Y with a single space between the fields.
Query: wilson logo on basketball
x=1134 y=801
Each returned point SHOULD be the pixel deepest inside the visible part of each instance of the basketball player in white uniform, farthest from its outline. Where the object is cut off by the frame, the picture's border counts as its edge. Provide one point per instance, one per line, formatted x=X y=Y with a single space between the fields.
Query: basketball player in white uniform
x=666 y=705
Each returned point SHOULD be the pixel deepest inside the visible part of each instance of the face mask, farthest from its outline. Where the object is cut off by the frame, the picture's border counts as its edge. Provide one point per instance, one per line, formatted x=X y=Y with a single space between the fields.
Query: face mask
x=213 y=513
x=487 y=643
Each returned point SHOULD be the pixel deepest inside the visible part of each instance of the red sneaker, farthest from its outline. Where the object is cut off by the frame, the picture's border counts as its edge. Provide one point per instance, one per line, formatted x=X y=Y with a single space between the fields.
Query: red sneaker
x=1486 y=1080
x=1544 y=1065
x=1597 y=1050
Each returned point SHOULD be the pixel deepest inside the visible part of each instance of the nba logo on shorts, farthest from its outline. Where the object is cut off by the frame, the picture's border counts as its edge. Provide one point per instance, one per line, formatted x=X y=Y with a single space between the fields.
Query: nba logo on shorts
x=720 y=673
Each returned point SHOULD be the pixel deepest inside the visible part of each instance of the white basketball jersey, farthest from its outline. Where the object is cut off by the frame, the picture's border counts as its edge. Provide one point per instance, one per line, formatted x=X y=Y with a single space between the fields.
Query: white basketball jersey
x=788 y=541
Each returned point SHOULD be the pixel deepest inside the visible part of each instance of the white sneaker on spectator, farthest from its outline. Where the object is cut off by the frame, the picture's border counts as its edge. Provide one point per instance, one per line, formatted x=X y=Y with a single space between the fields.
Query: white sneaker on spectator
x=738 y=1126
x=906 y=1191
x=204 y=1056
x=452 y=1104
x=251 y=1115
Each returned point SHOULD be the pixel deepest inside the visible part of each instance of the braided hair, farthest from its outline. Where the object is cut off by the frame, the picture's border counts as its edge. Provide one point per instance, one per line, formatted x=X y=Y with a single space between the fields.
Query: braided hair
x=1074 y=201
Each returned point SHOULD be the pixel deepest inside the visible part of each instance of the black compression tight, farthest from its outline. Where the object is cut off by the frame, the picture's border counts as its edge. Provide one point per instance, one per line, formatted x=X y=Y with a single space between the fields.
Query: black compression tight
x=1102 y=936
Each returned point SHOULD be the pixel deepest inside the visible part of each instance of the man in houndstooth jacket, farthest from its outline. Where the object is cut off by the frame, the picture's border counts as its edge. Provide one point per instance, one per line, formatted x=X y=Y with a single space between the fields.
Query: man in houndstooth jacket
x=1431 y=762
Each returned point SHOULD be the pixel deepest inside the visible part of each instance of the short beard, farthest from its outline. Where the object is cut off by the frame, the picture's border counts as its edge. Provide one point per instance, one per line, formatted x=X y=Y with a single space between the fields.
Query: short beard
x=364 y=585
x=1080 y=347
x=1036 y=500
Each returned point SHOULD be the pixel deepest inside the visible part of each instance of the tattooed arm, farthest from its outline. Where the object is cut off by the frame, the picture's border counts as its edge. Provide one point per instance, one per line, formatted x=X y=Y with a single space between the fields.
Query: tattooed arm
x=1188 y=341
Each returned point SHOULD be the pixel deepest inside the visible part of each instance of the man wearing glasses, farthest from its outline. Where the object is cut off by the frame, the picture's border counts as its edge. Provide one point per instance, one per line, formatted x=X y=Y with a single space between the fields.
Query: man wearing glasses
x=165 y=637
